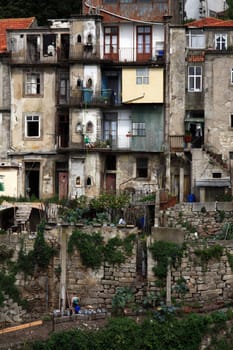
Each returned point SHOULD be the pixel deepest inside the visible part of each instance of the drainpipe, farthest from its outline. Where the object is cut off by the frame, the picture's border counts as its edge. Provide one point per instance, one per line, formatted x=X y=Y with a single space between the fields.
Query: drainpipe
x=167 y=104
x=62 y=298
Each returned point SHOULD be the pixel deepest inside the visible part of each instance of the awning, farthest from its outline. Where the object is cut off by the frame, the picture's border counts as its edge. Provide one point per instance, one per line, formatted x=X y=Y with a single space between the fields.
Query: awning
x=221 y=182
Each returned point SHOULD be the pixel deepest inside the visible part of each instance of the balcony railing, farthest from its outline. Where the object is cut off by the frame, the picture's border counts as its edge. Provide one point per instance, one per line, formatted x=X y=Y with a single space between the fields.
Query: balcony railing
x=82 y=52
x=121 y=55
x=104 y=97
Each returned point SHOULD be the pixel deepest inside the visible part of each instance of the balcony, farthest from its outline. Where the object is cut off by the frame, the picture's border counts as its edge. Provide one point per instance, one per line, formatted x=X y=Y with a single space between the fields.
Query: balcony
x=121 y=55
x=85 y=96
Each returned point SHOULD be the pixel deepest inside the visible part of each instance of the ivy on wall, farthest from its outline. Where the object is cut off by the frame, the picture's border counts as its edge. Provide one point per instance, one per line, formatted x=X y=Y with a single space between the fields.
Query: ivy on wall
x=94 y=251
x=164 y=253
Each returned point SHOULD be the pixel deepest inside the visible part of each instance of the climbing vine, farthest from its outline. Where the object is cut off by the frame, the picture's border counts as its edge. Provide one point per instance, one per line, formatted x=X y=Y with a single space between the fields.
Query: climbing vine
x=94 y=251
x=38 y=257
x=164 y=253
x=206 y=254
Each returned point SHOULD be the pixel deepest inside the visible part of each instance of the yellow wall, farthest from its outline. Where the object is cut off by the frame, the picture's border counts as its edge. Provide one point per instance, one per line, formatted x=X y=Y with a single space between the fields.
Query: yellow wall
x=153 y=92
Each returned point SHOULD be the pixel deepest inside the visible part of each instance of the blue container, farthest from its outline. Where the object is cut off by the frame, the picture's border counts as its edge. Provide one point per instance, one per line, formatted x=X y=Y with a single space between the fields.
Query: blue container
x=191 y=198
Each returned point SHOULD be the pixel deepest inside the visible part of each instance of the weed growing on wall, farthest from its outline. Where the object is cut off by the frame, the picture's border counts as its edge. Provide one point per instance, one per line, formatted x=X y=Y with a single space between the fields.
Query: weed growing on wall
x=206 y=254
x=90 y=247
x=38 y=257
x=164 y=253
x=94 y=252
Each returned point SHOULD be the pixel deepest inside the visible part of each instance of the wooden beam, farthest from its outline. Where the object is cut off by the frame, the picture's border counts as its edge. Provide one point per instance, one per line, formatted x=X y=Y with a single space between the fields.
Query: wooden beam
x=22 y=326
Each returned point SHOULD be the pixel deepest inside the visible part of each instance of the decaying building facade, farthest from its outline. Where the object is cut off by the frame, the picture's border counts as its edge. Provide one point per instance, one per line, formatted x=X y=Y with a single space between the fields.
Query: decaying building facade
x=87 y=102
x=200 y=97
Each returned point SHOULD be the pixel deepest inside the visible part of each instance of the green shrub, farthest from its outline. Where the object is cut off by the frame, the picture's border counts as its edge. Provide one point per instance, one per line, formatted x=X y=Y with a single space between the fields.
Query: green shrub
x=164 y=253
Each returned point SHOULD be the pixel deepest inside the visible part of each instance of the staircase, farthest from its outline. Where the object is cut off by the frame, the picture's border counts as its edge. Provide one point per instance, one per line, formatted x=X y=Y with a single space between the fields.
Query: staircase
x=22 y=215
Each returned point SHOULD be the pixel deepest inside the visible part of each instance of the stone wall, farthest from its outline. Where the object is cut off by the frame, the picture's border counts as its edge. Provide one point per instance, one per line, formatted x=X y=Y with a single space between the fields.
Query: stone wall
x=212 y=283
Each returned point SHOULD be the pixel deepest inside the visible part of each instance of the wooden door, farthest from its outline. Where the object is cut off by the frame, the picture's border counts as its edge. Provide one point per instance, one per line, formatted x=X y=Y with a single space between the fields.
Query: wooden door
x=111 y=183
x=63 y=185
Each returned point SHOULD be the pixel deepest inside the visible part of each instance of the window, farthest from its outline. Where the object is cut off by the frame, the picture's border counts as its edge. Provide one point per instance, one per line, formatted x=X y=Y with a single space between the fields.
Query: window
x=33 y=84
x=110 y=1
x=231 y=121
x=32 y=126
x=49 y=44
x=139 y=129
x=143 y=42
x=110 y=127
x=220 y=41
x=194 y=78
x=196 y=39
x=89 y=127
x=142 y=76
x=217 y=175
x=110 y=40
x=142 y=167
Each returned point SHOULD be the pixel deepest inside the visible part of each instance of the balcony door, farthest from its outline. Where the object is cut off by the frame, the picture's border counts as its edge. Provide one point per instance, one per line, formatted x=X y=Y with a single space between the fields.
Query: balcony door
x=144 y=43
x=111 y=43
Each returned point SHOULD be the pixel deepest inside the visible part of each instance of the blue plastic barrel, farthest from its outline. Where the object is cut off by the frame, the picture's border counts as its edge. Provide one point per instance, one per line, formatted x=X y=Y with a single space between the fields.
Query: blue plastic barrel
x=191 y=198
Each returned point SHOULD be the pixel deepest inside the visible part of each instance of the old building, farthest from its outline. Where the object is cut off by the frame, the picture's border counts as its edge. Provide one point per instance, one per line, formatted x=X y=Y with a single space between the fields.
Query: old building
x=200 y=97
x=87 y=102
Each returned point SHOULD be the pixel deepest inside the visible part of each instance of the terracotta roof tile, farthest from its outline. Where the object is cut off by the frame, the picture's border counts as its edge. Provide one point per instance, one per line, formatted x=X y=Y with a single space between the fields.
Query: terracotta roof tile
x=12 y=23
x=210 y=22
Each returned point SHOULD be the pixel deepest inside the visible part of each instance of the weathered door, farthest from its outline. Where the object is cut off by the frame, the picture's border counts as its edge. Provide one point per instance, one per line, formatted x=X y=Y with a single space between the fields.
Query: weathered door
x=111 y=183
x=63 y=185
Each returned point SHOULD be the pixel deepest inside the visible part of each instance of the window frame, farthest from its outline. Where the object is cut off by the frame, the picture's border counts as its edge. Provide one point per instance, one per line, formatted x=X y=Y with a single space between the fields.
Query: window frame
x=138 y=129
x=36 y=118
x=144 y=41
x=33 y=87
x=232 y=75
x=142 y=76
x=111 y=40
x=141 y=168
x=193 y=79
x=196 y=39
x=221 y=43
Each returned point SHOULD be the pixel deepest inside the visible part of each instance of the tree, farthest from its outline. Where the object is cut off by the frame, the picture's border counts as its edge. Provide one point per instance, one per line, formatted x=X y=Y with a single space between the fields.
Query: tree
x=42 y=10
x=230 y=9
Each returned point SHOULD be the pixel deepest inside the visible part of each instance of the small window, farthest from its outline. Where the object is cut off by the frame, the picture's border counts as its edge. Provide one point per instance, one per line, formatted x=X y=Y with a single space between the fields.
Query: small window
x=231 y=120
x=194 y=78
x=79 y=38
x=88 y=182
x=32 y=126
x=142 y=76
x=142 y=167
x=220 y=41
x=217 y=175
x=139 y=129
x=231 y=75
x=89 y=127
x=33 y=84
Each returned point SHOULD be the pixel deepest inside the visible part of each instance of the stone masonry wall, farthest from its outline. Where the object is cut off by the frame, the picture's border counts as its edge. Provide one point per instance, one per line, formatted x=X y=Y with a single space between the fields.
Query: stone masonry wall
x=212 y=283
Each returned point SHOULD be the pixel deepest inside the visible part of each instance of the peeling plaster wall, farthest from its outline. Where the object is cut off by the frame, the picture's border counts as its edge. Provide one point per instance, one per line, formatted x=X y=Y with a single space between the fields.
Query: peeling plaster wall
x=44 y=106
x=177 y=78
x=218 y=103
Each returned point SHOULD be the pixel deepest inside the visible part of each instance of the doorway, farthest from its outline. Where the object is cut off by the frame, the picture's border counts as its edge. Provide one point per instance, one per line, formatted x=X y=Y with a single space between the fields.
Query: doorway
x=32 y=180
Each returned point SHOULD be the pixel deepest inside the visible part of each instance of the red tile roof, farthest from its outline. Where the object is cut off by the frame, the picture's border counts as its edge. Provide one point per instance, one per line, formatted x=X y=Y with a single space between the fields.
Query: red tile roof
x=210 y=22
x=12 y=23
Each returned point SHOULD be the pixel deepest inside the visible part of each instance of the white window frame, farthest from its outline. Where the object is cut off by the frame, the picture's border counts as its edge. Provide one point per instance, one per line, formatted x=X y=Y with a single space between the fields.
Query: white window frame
x=142 y=76
x=222 y=38
x=139 y=129
x=33 y=83
x=32 y=118
x=232 y=76
x=196 y=40
x=194 y=79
